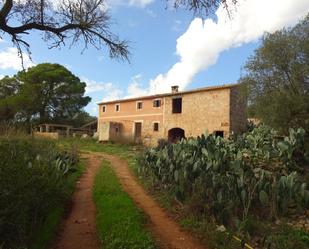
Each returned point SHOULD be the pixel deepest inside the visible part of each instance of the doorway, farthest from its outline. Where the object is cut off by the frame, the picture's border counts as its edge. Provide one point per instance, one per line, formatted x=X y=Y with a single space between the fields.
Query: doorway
x=175 y=135
x=138 y=132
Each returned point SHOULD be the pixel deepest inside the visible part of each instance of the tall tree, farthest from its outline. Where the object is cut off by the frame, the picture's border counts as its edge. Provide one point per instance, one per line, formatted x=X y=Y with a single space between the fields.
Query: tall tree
x=81 y=118
x=50 y=92
x=277 y=78
x=9 y=88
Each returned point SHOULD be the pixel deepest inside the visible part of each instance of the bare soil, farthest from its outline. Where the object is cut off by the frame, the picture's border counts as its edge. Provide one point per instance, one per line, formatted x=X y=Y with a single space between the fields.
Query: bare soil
x=165 y=230
x=78 y=230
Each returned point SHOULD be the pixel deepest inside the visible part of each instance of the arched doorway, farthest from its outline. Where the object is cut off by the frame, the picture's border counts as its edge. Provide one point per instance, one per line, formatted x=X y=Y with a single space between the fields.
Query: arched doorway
x=175 y=135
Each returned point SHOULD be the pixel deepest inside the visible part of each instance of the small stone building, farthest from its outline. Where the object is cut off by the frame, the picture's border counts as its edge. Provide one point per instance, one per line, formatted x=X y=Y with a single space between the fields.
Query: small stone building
x=173 y=115
x=53 y=131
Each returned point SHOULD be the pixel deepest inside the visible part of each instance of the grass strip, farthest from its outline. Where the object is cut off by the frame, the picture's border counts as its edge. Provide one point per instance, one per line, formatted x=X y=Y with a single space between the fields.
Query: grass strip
x=119 y=222
x=47 y=232
x=127 y=152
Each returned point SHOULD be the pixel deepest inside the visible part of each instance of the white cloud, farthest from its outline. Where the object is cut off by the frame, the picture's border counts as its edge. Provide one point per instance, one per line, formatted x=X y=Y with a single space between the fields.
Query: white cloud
x=9 y=59
x=200 y=46
x=141 y=3
x=136 y=3
x=108 y=90
x=135 y=89
x=1 y=76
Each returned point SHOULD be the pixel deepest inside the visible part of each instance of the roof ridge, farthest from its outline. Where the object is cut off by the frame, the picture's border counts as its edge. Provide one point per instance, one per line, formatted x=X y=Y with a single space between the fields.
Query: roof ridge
x=207 y=88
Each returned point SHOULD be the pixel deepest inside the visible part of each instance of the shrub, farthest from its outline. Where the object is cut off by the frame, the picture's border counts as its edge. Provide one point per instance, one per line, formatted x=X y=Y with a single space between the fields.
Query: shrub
x=32 y=177
x=256 y=173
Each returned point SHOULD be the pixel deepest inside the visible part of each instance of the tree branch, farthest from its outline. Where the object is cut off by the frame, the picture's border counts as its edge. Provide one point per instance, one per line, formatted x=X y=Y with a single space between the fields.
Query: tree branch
x=74 y=20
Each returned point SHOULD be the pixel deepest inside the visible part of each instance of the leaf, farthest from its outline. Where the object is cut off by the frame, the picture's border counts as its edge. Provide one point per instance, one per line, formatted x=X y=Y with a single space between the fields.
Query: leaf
x=243 y=195
x=263 y=197
x=176 y=175
x=204 y=152
x=219 y=196
x=283 y=146
x=195 y=166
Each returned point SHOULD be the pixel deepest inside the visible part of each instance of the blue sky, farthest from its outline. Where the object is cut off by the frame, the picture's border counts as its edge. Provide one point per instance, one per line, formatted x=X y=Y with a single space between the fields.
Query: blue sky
x=209 y=53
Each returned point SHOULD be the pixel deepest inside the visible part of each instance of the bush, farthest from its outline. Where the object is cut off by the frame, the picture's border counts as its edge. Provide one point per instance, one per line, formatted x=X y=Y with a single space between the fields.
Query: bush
x=32 y=178
x=256 y=173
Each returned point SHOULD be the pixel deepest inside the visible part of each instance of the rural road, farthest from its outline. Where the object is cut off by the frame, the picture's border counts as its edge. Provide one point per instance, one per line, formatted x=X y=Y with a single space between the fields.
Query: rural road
x=79 y=227
x=78 y=230
x=166 y=231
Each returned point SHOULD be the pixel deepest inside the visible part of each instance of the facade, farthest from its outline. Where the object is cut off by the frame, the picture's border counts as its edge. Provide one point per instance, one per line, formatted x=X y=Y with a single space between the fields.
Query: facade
x=173 y=115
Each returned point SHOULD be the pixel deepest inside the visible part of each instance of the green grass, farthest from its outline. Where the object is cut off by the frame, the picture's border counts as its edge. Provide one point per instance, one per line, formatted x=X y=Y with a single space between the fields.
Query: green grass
x=125 y=151
x=205 y=229
x=90 y=144
x=47 y=232
x=119 y=222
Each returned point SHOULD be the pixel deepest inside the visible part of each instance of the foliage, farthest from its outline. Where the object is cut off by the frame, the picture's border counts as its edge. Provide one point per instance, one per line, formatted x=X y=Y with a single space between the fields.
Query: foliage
x=49 y=92
x=276 y=81
x=208 y=233
x=8 y=89
x=203 y=7
x=33 y=179
x=256 y=173
x=81 y=118
x=61 y=21
x=12 y=129
x=288 y=238
x=120 y=223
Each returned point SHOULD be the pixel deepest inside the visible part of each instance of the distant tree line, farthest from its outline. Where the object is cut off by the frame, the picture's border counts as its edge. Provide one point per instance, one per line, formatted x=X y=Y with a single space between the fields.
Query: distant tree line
x=44 y=93
x=276 y=79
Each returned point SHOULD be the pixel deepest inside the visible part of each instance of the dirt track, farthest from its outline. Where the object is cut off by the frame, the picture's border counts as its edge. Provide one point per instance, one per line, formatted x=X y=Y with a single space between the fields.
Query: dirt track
x=165 y=230
x=79 y=228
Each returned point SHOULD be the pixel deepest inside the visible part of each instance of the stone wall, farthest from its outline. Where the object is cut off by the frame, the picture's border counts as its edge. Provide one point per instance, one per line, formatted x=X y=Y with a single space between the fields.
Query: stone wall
x=204 y=111
x=129 y=115
x=238 y=111
x=52 y=135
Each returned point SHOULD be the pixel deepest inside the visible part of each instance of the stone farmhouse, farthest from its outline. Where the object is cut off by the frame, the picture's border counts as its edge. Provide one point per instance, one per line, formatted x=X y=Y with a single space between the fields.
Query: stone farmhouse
x=173 y=115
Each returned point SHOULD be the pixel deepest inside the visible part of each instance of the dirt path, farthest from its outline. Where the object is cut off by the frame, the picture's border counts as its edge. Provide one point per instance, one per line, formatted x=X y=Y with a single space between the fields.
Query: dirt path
x=79 y=228
x=165 y=230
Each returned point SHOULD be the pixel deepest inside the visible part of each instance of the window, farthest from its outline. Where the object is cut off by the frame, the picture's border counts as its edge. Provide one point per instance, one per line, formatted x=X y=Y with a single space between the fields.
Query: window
x=157 y=103
x=104 y=108
x=117 y=107
x=177 y=105
x=156 y=126
x=219 y=133
x=117 y=129
x=139 y=105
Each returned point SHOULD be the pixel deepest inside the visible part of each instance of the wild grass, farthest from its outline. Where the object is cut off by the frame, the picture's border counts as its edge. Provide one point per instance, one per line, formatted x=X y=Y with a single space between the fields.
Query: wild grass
x=35 y=182
x=47 y=231
x=119 y=222
x=125 y=151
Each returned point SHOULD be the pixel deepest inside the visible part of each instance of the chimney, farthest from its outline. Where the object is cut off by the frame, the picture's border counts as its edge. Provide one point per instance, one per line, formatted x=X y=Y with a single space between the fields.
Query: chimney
x=175 y=89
